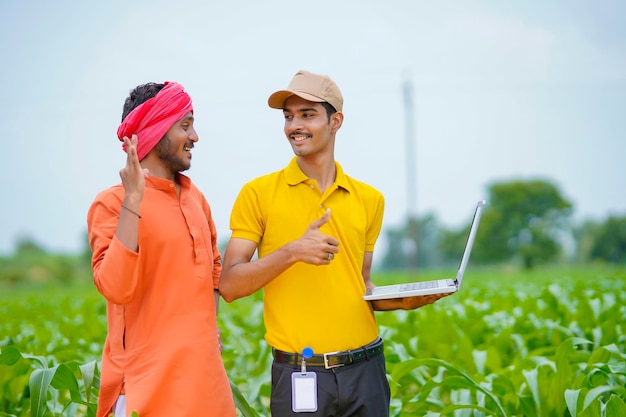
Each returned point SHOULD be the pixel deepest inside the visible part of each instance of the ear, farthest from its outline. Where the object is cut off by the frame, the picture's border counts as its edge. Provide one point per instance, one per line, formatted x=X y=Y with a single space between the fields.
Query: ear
x=336 y=120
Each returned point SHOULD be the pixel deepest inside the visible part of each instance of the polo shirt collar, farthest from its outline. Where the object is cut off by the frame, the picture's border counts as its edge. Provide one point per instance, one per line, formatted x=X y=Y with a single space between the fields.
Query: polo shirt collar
x=294 y=175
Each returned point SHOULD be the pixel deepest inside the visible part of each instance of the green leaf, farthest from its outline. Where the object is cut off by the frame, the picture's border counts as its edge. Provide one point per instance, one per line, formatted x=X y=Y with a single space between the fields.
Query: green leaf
x=594 y=393
x=451 y=408
x=400 y=370
x=241 y=403
x=571 y=399
x=59 y=377
x=9 y=355
x=88 y=372
x=39 y=383
x=457 y=382
x=615 y=406
x=533 y=384
x=64 y=378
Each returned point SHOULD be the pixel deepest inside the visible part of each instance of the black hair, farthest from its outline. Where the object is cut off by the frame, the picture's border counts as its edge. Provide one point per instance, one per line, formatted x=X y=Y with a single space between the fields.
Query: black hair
x=138 y=95
x=330 y=110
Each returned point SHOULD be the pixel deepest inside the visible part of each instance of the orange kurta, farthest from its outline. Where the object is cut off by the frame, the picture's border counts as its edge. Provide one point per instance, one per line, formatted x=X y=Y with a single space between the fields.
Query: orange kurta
x=162 y=345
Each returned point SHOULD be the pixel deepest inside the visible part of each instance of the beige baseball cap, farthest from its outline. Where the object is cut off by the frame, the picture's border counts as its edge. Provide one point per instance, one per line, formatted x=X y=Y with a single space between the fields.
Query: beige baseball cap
x=310 y=86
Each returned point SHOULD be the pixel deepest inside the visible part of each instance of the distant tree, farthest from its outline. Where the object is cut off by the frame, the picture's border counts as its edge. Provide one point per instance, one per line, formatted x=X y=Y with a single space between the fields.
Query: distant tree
x=413 y=245
x=427 y=238
x=451 y=243
x=523 y=219
x=609 y=242
x=27 y=248
x=395 y=257
x=585 y=236
x=32 y=263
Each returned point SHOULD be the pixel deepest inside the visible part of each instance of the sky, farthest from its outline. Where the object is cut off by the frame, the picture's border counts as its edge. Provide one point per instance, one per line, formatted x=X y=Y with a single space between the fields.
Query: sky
x=501 y=91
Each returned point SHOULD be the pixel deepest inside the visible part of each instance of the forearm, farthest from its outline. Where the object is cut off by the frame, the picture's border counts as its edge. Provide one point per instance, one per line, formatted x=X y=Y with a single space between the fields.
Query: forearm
x=128 y=224
x=389 y=305
x=244 y=278
x=406 y=303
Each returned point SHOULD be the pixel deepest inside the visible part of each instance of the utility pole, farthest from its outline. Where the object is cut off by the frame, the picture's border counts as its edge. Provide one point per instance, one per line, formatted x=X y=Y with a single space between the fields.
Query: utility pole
x=411 y=174
x=409 y=131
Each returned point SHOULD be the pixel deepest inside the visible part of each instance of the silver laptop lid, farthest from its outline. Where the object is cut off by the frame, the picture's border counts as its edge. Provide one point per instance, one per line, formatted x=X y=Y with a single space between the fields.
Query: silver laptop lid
x=470 y=242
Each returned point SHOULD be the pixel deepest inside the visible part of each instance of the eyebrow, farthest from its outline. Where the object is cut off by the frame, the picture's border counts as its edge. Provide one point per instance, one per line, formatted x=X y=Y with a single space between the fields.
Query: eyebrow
x=285 y=110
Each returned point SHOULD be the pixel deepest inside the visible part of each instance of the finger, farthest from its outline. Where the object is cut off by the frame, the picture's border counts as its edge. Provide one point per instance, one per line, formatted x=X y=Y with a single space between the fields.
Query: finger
x=332 y=244
x=129 y=147
x=321 y=221
x=131 y=150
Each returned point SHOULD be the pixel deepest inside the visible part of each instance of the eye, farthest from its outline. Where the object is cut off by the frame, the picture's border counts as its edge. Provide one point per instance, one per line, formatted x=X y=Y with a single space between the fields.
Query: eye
x=288 y=117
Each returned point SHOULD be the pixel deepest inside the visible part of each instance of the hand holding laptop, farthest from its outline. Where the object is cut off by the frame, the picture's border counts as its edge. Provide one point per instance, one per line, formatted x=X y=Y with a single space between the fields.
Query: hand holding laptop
x=406 y=303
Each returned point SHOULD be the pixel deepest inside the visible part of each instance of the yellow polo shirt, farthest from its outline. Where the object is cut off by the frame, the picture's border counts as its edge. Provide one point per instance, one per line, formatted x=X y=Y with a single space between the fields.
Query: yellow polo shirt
x=307 y=305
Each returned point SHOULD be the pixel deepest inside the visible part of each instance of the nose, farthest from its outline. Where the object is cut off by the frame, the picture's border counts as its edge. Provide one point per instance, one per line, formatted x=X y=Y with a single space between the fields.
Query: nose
x=295 y=124
x=193 y=135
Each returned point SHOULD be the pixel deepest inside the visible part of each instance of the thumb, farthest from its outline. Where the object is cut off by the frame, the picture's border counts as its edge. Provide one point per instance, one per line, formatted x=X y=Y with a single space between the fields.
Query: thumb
x=321 y=221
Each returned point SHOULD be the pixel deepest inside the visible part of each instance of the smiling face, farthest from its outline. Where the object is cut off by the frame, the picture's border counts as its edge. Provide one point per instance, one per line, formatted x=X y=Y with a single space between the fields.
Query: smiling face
x=308 y=127
x=174 y=149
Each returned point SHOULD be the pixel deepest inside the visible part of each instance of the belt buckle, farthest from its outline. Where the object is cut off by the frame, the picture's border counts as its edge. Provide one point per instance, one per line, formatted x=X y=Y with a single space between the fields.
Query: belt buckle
x=327 y=365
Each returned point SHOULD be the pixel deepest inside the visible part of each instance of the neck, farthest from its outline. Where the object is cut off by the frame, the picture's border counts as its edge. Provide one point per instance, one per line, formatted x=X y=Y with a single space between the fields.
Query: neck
x=321 y=169
x=157 y=169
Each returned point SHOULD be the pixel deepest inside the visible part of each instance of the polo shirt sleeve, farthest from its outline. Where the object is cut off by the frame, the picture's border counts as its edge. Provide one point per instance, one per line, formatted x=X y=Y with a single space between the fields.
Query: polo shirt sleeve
x=375 y=226
x=246 y=218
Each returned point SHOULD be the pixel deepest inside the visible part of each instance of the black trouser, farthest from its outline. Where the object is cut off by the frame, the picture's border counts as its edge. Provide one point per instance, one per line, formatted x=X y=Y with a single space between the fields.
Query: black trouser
x=357 y=390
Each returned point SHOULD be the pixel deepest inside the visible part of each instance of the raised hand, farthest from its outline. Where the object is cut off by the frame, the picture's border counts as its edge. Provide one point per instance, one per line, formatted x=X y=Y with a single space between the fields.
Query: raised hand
x=133 y=175
x=134 y=181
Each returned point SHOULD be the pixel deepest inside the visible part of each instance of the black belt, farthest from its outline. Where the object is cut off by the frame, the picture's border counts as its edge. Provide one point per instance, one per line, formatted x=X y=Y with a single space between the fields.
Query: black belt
x=332 y=359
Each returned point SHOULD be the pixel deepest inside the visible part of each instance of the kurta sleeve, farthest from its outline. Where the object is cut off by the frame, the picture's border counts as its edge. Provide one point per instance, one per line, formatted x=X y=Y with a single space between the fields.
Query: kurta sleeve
x=115 y=267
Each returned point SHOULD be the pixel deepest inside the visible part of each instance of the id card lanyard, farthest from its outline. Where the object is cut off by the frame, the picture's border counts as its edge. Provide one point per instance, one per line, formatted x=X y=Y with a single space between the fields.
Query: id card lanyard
x=304 y=387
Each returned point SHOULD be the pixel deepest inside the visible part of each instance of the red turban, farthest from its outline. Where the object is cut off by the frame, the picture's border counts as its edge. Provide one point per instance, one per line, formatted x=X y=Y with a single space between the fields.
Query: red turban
x=154 y=117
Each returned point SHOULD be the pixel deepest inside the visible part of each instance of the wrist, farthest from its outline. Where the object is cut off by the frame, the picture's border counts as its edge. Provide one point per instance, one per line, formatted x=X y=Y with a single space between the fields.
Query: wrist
x=132 y=201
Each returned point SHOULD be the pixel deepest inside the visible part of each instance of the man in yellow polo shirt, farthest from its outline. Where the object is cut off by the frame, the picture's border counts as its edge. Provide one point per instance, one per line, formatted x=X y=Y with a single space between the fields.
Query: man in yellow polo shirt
x=315 y=229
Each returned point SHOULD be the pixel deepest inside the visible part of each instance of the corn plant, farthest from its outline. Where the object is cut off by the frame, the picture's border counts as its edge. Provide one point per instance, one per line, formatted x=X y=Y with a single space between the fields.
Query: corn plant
x=542 y=343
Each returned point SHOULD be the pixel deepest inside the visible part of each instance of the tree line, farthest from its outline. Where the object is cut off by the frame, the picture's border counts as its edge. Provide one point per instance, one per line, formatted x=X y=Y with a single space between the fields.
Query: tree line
x=526 y=223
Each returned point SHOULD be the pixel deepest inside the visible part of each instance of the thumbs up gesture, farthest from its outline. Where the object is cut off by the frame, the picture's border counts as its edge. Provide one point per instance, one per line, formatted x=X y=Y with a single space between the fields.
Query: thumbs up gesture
x=315 y=247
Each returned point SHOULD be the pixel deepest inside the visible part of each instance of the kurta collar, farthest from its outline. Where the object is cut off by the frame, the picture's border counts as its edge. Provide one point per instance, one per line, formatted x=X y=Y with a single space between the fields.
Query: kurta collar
x=163 y=184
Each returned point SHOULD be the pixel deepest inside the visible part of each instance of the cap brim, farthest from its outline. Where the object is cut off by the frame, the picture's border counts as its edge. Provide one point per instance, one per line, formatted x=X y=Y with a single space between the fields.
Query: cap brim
x=277 y=100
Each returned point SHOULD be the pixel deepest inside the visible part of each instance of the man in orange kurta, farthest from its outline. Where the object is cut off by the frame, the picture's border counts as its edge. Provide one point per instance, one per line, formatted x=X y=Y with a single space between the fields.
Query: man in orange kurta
x=156 y=261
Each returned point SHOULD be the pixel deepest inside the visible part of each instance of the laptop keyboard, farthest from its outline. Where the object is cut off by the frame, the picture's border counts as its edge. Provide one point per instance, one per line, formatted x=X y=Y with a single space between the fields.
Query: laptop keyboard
x=418 y=285
x=425 y=284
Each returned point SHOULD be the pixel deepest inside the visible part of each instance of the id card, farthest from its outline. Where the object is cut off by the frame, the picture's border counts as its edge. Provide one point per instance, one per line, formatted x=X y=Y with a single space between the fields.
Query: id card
x=304 y=392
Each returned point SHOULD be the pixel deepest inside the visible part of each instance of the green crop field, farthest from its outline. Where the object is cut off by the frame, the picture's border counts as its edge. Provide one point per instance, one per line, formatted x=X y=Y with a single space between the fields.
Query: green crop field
x=550 y=342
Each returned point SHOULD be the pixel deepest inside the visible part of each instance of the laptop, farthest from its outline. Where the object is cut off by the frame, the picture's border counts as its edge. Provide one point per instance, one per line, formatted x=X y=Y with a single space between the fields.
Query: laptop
x=438 y=286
